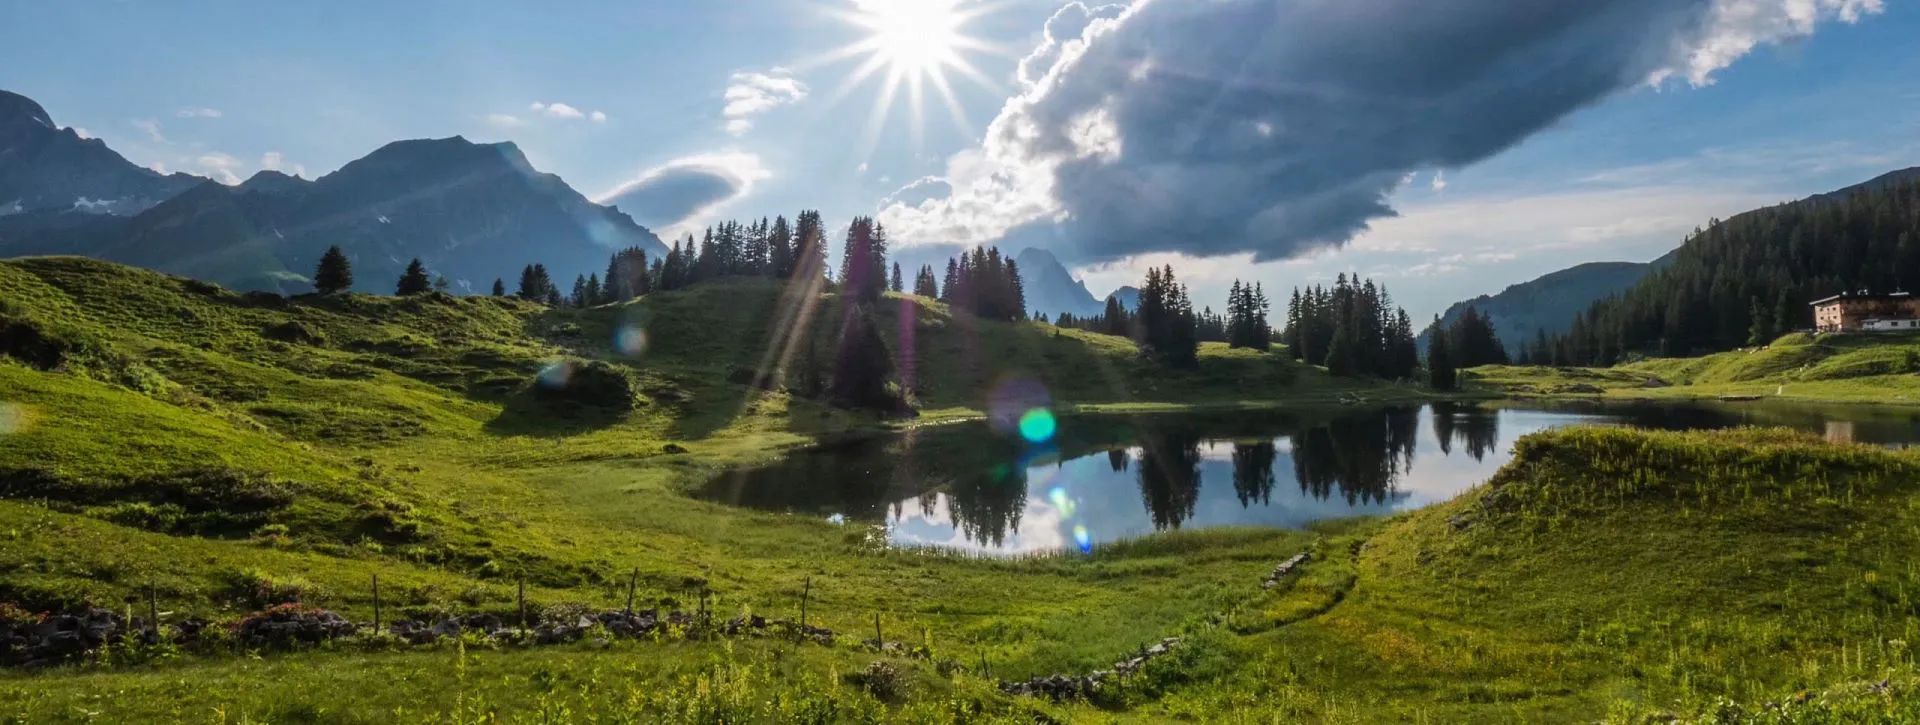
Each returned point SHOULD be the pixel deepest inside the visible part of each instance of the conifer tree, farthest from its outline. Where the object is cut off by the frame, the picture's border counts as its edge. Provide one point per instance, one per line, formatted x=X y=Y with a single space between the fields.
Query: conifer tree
x=499 y=287
x=335 y=273
x=414 y=281
x=897 y=284
x=809 y=247
x=1440 y=368
x=924 y=284
x=578 y=298
x=780 y=249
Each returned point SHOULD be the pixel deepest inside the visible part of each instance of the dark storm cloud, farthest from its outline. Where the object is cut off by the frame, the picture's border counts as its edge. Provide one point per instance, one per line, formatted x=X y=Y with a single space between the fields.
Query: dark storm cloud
x=1279 y=126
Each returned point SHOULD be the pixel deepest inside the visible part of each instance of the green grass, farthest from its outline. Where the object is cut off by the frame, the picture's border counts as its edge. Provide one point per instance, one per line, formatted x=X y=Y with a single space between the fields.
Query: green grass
x=1881 y=368
x=157 y=432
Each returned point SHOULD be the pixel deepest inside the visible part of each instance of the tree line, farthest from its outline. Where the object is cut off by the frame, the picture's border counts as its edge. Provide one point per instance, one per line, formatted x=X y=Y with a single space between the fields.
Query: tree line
x=1749 y=279
x=1468 y=342
x=1353 y=329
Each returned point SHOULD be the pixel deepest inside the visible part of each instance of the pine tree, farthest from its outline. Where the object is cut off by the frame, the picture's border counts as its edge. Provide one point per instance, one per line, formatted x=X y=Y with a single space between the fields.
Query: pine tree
x=415 y=280
x=578 y=298
x=809 y=247
x=898 y=284
x=861 y=365
x=780 y=249
x=1760 y=331
x=924 y=284
x=595 y=296
x=499 y=287
x=335 y=273
x=440 y=283
x=1440 y=368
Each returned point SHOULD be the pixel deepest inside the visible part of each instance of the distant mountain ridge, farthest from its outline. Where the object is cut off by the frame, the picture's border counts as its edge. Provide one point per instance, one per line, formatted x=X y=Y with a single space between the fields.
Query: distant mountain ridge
x=472 y=212
x=1548 y=303
x=48 y=170
x=1051 y=289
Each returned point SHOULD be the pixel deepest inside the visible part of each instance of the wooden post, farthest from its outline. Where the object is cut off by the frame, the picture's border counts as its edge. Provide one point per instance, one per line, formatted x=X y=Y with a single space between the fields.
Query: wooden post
x=153 y=613
x=632 y=581
x=878 y=641
x=804 y=595
x=376 y=605
x=523 y=603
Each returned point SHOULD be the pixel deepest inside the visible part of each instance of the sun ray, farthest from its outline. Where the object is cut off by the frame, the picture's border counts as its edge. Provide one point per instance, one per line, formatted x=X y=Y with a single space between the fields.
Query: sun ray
x=917 y=43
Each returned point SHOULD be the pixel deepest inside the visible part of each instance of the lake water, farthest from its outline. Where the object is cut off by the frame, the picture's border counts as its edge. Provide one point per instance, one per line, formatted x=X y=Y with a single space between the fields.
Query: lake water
x=1100 y=479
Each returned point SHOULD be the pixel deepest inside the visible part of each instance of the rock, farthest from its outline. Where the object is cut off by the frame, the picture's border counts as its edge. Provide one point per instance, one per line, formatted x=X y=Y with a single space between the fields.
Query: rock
x=291 y=625
x=672 y=449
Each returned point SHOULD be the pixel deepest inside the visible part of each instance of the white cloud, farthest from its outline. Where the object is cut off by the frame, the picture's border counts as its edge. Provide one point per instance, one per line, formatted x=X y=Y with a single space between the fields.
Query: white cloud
x=555 y=110
x=560 y=112
x=1733 y=28
x=276 y=161
x=505 y=120
x=1439 y=181
x=152 y=129
x=681 y=196
x=751 y=94
x=200 y=112
x=221 y=167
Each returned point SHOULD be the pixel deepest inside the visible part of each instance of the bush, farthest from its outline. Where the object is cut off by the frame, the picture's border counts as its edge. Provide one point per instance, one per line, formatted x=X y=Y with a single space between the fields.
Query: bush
x=593 y=384
x=881 y=679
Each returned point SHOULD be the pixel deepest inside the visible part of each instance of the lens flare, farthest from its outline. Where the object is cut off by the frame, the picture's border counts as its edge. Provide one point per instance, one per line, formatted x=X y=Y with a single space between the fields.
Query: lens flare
x=1058 y=497
x=13 y=419
x=630 y=340
x=555 y=376
x=1038 y=426
x=1083 y=539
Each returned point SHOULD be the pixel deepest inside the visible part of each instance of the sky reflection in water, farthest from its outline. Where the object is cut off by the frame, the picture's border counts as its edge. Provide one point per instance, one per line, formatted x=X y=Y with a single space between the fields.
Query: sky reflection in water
x=1100 y=481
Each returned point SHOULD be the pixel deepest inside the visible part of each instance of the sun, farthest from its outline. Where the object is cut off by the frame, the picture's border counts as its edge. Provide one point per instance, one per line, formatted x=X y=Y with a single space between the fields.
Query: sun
x=913 y=37
x=911 y=45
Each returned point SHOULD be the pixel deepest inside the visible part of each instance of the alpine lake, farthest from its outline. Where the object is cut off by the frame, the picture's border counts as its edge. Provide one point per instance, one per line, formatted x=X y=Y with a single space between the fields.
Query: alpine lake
x=1034 y=485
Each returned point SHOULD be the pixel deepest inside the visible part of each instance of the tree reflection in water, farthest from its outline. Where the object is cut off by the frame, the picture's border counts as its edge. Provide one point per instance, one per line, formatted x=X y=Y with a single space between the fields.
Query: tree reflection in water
x=1473 y=426
x=1253 y=472
x=1360 y=456
x=1169 y=476
x=979 y=484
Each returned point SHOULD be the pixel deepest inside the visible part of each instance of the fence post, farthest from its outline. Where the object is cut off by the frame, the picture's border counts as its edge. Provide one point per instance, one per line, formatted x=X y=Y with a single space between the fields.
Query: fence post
x=804 y=595
x=522 y=597
x=376 y=605
x=879 y=642
x=153 y=613
x=632 y=581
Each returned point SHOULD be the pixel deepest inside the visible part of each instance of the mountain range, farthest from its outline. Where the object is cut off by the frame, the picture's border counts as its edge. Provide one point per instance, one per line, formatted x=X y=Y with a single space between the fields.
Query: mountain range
x=472 y=212
x=1550 y=302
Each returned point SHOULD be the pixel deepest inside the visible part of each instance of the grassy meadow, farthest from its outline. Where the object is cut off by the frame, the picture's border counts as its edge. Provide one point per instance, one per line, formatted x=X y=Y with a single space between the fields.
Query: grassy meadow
x=231 y=451
x=1878 y=368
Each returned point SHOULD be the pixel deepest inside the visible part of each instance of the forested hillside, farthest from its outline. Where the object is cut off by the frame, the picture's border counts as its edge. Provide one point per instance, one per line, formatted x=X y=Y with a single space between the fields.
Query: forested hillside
x=1547 y=304
x=1747 y=279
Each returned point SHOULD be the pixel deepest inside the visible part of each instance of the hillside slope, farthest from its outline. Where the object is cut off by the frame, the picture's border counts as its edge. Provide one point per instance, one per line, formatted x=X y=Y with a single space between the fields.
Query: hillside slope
x=1548 y=303
x=1605 y=574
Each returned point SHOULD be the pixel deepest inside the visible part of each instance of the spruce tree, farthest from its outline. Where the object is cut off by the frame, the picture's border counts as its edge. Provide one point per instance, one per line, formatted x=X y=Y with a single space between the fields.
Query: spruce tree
x=499 y=287
x=335 y=273
x=414 y=281
x=861 y=364
x=1440 y=368
x=898 y=284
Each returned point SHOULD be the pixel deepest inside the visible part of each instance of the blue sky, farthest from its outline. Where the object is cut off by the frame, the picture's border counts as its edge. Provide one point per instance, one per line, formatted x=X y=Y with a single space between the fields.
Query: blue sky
x=220 y=88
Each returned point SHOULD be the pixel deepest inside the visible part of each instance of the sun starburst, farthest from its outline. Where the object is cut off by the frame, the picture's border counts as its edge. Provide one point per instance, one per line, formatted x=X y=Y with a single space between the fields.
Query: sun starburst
x=910 y=45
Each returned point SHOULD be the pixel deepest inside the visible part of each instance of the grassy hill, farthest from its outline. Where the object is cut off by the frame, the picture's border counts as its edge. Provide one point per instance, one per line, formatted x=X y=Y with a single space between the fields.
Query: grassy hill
x=234 y=451
x=1857 y=368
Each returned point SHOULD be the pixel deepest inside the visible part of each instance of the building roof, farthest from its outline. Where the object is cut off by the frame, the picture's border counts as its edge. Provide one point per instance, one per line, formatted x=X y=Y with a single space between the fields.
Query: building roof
x=1865 y=296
